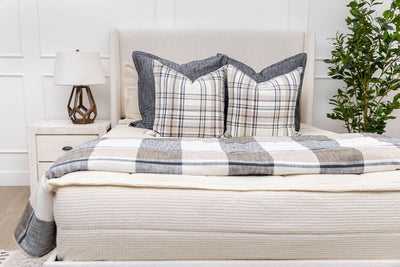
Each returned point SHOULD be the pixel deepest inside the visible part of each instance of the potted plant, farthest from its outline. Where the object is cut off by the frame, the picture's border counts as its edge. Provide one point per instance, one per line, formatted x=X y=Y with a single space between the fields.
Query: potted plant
x=367 y=60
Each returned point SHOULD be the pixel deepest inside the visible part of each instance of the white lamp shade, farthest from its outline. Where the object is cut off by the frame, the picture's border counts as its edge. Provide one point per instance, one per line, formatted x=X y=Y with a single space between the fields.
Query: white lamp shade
x=78 y=68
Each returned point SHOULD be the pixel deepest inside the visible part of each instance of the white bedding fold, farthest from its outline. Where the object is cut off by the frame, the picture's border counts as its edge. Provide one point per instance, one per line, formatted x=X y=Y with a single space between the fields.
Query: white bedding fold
x=372 y=182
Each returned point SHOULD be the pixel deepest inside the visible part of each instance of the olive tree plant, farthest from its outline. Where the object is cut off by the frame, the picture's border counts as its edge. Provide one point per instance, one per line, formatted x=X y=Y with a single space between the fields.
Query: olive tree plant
x=367 y=59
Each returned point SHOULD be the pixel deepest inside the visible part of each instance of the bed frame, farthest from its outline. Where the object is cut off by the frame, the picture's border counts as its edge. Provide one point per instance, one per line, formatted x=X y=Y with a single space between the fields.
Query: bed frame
x=258 y=49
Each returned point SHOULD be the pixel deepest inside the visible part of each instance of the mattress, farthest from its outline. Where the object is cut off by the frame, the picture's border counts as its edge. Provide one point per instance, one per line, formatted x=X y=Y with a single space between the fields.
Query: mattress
x=119 y=216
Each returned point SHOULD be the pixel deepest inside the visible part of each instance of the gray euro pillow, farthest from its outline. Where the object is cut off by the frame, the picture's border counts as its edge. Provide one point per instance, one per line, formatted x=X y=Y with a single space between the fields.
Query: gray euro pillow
x=146 y=88
x=280 y=68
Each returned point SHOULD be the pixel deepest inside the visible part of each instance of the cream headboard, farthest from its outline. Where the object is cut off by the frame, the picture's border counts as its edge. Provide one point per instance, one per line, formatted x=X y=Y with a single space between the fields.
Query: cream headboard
x=257 y=49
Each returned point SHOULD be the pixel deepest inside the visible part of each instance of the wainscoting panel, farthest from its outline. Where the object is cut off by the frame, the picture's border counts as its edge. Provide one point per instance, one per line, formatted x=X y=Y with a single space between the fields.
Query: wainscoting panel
x=326 y=18
x=10 y=45
x=56 y=99
x=298 y=14
x=13 y=178
x=325 y=89
x=321 y=68
x=164 y=13
x=393 y=128
x=13 y=161
x=248 y=14
x=86 y=24
x=12 y=114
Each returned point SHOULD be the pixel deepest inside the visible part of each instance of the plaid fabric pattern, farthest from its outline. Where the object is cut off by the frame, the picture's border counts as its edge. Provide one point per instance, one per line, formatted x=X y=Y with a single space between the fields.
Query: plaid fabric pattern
x=185 y=108
x=339 y=154
x=265 y=109
x=314 y=154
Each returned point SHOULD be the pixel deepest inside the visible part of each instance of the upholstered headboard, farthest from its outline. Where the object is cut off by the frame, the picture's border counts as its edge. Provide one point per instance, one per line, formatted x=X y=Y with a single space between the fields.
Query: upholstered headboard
x=257 y=49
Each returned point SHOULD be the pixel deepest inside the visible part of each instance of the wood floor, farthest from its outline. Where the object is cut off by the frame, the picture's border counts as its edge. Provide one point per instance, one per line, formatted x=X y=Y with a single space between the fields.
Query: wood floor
x=12 y=202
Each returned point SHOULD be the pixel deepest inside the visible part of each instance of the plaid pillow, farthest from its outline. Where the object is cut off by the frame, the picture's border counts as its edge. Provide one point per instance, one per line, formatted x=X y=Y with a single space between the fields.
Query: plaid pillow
x=146 y=88
x=266 y=108
x=282 y=67
x=185 y=108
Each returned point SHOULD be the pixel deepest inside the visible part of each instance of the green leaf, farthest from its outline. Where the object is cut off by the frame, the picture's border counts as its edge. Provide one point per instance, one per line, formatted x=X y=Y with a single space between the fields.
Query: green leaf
x=388 y=14
x=380 y=20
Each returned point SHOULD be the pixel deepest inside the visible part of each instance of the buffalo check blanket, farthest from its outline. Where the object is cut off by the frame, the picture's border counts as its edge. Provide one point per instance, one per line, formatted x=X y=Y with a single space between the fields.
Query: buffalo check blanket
x=341 y=154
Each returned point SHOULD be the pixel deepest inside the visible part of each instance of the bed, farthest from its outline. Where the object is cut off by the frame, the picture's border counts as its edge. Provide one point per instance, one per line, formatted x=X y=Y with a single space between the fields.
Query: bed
x=214 y=220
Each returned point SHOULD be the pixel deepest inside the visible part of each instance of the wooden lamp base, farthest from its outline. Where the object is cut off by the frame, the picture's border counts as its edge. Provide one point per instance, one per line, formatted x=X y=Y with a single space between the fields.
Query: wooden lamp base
x=78 y=113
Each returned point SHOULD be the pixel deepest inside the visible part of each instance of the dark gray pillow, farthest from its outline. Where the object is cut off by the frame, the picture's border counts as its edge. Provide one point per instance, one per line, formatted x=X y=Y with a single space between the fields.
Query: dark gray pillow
x=146 y=90
x=277 y=69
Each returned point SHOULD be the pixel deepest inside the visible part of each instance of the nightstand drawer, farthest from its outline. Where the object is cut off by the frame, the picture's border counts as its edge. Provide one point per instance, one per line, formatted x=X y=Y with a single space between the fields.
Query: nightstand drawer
x=43 y=167
x=50 y=147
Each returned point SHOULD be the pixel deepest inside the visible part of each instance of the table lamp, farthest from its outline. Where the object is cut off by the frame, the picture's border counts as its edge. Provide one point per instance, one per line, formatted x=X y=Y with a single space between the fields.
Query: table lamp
x=79 y=69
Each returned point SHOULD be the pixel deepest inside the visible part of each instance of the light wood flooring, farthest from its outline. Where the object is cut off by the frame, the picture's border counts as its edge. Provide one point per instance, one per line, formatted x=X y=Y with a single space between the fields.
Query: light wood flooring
x=12 y=203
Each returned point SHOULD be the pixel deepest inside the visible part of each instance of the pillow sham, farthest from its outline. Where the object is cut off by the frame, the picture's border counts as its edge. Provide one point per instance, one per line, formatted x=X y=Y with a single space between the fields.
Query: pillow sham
x=146 y=88
x=265 y=108
x=277 y=69
x=186 y=108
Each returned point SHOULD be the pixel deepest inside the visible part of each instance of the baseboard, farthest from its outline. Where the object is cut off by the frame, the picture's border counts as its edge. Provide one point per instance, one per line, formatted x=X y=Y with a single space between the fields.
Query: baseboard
x=14 y=178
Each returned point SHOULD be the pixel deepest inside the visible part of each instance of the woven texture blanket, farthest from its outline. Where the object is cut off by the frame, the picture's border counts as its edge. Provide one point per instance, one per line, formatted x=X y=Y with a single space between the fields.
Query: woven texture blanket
x=343 y=154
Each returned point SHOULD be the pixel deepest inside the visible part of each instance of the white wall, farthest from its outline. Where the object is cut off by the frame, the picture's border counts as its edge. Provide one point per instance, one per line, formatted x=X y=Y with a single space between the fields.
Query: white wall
x=33 y=30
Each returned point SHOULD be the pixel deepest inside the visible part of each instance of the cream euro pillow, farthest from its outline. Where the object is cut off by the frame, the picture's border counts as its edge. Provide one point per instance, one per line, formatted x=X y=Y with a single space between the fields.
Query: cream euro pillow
x=130 y=87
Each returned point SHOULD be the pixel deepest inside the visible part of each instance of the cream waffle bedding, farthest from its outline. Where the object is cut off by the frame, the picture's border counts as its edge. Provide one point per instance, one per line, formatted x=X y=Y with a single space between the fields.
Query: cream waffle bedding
x=161 y=217
x=122 y=223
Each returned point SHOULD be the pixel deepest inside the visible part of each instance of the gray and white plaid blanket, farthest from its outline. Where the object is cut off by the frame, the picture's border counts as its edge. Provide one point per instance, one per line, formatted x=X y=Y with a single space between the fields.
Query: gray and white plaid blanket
x=343 y=154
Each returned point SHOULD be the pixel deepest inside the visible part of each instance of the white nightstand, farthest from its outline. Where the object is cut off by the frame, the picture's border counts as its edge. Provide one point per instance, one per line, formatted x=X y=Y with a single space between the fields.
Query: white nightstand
x=48 y=140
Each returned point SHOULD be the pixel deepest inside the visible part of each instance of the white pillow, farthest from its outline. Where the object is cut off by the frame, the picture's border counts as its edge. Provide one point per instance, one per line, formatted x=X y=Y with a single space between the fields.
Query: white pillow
x=130 y=89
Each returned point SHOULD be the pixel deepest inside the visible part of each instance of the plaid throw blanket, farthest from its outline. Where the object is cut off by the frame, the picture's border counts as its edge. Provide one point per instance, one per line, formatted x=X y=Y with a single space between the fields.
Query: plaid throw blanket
x=344 y=154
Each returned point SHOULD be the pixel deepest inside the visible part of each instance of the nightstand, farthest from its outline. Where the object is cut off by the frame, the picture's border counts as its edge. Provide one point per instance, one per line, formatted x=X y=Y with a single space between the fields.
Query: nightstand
x=48 y=140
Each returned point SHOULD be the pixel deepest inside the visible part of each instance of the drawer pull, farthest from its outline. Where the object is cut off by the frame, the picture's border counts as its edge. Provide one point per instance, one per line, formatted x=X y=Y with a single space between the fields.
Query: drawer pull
x=67 y=148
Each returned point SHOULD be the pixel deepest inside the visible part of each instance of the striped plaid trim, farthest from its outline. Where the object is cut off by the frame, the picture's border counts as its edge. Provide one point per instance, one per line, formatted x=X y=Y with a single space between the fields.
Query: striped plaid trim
x=264 y=109
x=188 y=109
